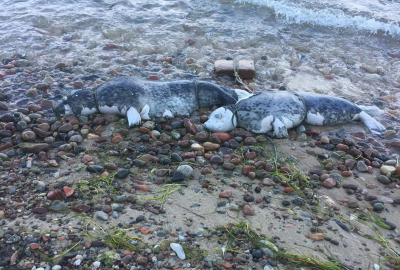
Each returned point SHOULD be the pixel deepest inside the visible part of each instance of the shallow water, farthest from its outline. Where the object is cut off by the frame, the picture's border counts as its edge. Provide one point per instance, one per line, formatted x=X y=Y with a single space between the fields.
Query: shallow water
x=334 y=47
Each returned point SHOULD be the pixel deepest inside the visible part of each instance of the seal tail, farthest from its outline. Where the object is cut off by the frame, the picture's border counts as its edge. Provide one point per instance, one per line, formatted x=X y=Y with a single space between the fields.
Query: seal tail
x=373 y=125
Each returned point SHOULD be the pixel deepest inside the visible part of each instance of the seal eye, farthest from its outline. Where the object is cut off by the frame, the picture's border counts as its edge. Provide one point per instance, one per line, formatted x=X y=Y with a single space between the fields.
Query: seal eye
x=218 y=116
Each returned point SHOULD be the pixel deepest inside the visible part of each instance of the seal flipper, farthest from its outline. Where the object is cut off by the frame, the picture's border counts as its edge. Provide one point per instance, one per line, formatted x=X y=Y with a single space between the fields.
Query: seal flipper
x=242 y=94
x=374 y=126
x=144 y=114
x=280 y=130
x=133 y=117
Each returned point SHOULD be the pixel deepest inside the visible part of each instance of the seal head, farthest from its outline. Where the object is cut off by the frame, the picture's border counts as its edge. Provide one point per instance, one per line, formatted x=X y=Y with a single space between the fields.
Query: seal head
x=222 y=119
x=79 y=102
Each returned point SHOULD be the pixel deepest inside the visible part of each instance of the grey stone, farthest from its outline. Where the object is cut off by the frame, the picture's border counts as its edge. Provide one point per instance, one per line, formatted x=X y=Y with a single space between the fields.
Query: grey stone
x=101 y=216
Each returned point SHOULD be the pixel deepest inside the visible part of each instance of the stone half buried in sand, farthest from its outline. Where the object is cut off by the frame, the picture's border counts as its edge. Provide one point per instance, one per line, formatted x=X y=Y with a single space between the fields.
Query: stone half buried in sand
x=178 y=250
x=34 y=147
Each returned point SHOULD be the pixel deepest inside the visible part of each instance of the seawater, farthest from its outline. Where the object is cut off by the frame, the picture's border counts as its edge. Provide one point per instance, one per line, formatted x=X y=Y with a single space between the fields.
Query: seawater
x=337 y=47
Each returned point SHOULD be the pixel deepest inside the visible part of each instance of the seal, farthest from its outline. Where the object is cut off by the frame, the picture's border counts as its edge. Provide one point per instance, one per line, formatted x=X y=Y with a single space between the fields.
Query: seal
x=274 y=112
x=139 y=99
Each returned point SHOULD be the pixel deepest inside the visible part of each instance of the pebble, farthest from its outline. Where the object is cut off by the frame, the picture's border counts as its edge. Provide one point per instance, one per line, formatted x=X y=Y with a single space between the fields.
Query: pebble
x=225 y=193
x=383 y=179
x=58 y=206
x=268 y=182
x=176 y=158
x=101 y=216
x=216 y=160
x=95 y=168
x=178 y=177
x=186 y=170
x=379 y=207
x=285 y=203
x=178 y=250
x=122 y=174
x=247 y=210
x=386 y=169
x=362 y=167
x=329 y=183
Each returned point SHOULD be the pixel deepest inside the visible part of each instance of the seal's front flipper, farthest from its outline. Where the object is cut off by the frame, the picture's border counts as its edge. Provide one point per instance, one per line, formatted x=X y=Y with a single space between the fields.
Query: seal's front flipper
x=279 y=127
x=374 y=126
x=133 y=117
x=144 y=114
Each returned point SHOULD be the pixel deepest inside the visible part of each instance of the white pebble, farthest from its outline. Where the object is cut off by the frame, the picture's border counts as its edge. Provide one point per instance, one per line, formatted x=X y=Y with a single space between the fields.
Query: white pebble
x=96 y=264
x=376 y=267
x=55 y=267
x=77 y=262
x=178 y=249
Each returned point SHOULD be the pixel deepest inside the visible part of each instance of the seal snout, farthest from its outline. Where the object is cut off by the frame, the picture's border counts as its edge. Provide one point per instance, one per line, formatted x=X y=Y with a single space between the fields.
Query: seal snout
x=221 y=120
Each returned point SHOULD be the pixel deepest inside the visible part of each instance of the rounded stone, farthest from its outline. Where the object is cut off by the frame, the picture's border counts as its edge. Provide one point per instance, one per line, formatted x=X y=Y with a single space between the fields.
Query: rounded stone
x=202 y=136
x=383 y=179
x=209 y=146
x=101 y=216
x=362 y=167
x=175 y=157
x=186 y=170
x=28 y=135
x=225 y=193
x=95 y=168
x=385 y=169
x=76 y=138
x=329 y=183
x=216 y=160
x=285 y=203
x=247 y=210
x=122 y=174
x=268 y=182
x=228 y=166
x=378 y=207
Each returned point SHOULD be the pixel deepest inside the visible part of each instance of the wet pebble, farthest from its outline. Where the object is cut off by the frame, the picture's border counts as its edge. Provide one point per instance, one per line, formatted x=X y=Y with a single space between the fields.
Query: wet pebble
x=95 y=168
x=186 y=170
x=216 y=160
x=383 y=179
x=101 y=215
x=362 y=167
x=329 y=183
x=122 y=174
x=378 y=207
x=247 y=210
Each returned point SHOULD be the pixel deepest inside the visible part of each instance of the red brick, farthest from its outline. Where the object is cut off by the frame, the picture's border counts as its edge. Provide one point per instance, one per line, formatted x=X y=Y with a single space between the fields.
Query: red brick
x=246 y=69
x=223 y=67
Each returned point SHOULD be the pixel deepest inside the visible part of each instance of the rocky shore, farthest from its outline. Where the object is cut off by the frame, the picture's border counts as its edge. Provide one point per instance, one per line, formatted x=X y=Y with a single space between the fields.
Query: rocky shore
x=88 y=193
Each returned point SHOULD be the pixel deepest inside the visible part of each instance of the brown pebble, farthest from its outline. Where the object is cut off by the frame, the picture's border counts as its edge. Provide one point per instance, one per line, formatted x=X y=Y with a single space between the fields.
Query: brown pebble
x=225 y=193
x=247 y=210
x=34 y=246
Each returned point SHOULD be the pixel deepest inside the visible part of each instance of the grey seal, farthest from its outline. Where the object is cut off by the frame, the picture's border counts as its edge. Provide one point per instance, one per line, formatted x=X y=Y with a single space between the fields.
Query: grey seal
x=139 y=99
x=275 y=112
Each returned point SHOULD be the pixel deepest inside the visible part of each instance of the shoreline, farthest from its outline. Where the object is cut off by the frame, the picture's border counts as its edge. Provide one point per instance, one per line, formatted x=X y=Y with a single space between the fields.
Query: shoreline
x=117 y=171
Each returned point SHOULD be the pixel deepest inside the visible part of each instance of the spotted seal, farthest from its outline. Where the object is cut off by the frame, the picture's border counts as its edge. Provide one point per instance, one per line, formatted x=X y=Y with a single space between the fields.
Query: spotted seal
x=139 y=99
x=275 y=112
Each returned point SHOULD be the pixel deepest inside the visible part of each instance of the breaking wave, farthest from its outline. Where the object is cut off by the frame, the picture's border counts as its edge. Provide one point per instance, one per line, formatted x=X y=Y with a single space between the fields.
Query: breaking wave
x=330 y=17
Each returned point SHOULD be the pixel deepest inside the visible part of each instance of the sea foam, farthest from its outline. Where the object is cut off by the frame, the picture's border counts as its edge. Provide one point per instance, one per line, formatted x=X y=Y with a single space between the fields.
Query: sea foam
x=330 y=17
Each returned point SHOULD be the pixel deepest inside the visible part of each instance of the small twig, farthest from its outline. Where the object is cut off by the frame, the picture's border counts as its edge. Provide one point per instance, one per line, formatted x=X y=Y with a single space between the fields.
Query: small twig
x=191 y=211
